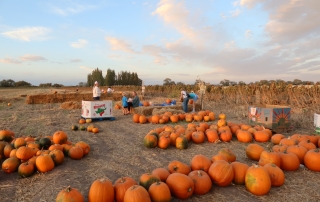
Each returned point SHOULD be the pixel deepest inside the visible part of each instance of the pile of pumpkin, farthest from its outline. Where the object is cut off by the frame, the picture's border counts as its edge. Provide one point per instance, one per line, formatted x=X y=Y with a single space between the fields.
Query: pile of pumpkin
x=28 y=154
x=183 y=180
x=90 y=128
x=175 y=118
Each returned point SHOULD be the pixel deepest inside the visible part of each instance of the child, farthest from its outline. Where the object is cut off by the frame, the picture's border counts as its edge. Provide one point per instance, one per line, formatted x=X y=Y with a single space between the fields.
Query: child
x=124 y=104
x=195 y=98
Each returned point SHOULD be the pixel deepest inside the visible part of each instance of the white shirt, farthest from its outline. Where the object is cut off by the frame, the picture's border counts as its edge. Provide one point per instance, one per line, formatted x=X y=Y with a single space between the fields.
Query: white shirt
x=109 y=90
x=184 y=94
x=96 y=91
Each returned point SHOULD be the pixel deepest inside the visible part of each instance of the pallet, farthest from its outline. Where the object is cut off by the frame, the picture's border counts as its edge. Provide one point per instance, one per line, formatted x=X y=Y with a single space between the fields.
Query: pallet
x=101 y=119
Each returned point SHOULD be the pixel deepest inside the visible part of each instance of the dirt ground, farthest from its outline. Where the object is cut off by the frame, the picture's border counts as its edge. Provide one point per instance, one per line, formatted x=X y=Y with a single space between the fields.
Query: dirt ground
x=116 y=151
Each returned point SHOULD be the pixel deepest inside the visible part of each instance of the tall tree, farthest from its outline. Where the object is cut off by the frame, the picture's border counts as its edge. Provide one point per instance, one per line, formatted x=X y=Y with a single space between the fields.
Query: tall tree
x=96 y=75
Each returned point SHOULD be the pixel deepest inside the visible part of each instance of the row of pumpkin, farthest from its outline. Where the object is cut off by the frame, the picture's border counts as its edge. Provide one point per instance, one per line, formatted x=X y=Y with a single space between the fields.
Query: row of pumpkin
x=182 y=180
x=28 y=154
x=175 y=118
x=179 y=136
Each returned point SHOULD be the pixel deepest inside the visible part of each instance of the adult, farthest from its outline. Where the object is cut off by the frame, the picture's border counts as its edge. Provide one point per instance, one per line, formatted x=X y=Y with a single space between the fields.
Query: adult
x=109 y=90
x=195 y=98
x=135 y=99
x=96 y=91
x=185 y=99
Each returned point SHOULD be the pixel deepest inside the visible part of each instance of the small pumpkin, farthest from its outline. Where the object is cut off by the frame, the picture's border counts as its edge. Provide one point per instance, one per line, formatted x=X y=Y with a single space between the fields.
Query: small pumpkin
x=261 y=136
x=95 y=130
x=228 y=154
x=147 y=179
x=150 y=140
x=57 y=157
x=180 y=185
x=24 y=153
x=225 y=136
x=312 y=160
x=200 y=162
x=159 y=191
x=244 y=136
x=26 y=169
x=142 y=119
x=289 y=161
x=269 y=157
x=181 y=142
x=60 y=137
x=44 y=163
x=56 y=146
x=298 y=150
x=84 y=146
x=253 y=151
x=202 y=181
x=198 y=137
x=276 y=138
x=307 y=144
x=135 y=118
x=6 y=135
x=218 y=157
x=101 y=190
x=178 y=167
x=164 y=142
x=10 y=165
x=121 y=186
x=7 y=150
x=70 y=194
x=212 y=135
x=19 y=142
x=75 y=153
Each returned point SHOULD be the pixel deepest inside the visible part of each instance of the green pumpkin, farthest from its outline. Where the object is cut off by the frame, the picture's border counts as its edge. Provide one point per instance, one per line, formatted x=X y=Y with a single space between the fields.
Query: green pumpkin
x=182 y=143
x=82 y=128
x=150 y=141
x=74 y=127
x=45 y=143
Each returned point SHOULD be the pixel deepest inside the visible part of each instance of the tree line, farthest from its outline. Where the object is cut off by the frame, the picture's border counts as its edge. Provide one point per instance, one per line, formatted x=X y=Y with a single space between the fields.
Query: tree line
x=112 y=79
x=12 y=83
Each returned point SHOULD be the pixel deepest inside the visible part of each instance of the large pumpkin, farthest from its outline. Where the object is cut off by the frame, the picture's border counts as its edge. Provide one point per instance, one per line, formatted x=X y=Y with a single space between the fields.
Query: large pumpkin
x=19 y=142
x=300 y=151
x=181 y=142
x=276 y=138
x=198 y=137
x=261 y=136
x=257 y=180
x=178 y=167
x=135 y=118
x=225 y=136
x=275 y=173
x=75 y=153
x=150 y=140
x=101 y=190
x=57 y=157
x=289 y=161
x=312 y=160
x=254 y=151
x=159 y=191
x=121 y=186
x=136 y=193
x=84 y=146
x=26 y=169
x=244 y=136
x=200 y=162
x=269 y=157
x=221 y=173
x=70 y=194
x=239 y=170
x=202 y=181
x=60 y=137
x=6 y=135
x=212 y=135
x=24 y=153
x=44 y=163
x=180 y=185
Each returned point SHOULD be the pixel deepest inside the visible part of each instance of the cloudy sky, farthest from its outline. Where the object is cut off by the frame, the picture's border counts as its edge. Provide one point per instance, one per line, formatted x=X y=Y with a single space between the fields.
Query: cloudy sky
x=61 y=41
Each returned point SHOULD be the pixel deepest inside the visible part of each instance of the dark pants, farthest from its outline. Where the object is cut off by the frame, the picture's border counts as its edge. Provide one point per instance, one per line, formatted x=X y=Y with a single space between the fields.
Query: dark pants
x=185 y=105
x=96 y=98
x=129 y=106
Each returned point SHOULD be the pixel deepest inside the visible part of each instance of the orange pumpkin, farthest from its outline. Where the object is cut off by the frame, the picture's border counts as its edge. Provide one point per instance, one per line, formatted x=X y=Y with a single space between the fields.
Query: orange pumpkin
x=253 y=151
x=70 y=194
x=95 y=130
x=7 y=150
x=6 y=135
x=180 y=185
x=147 y=179
x=289 y=161
x=135 y=118
x=60 y=137
x=276 y=138
x=121 y=186
x=57 y=157
x=178 y=167
x=312 y=160
x=202 y=181
x=200 y=162
x=164 y=142
x=101 y=190
x=10 y=165
x=174 y=118
x=261 y=136
x=198 y=137
x=279 y=148
x=244 y=136
x=85 y=147
x=44 y=163
x=239 y=170
x=137 y=193
x=24 y=153
x=218 y=157
x=182 y=142
x=212 y=135
x=298 y=150
x=162 y=173
x=225 y=136
x=269 y=157
x=159 y=191
x=75 y=153
x=275 y=173
x=26 y=169
x=231 y=157
x=19 y=142
x=288 y=141
x=257 y=180
x=307 y=144
x=221 y=173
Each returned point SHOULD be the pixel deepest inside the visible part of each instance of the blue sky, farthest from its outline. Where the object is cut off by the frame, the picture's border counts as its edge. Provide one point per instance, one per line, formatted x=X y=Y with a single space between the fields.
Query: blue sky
x=241 y=40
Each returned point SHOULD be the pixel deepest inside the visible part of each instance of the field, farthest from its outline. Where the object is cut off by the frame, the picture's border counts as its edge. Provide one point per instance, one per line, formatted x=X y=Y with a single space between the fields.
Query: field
x=117 y=150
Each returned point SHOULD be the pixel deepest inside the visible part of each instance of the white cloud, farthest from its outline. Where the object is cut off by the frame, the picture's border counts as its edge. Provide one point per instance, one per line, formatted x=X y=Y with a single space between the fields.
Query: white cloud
x=86 y=68
x=34 y=58
x=9 y=60
x=28 y=33
x=118 y=44
x=235 y=13
x=248 y=34
x=79 y=44
x=73 y=9
x=235 y=3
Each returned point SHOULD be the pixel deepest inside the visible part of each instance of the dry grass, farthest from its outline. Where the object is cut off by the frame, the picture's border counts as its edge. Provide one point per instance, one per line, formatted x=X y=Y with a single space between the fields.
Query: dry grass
x=118 y=151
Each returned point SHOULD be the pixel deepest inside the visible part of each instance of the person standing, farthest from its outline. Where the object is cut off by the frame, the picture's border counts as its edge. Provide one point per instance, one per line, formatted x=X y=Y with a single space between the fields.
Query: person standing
x=96 y=91
x=185 y=99
x=195 y=98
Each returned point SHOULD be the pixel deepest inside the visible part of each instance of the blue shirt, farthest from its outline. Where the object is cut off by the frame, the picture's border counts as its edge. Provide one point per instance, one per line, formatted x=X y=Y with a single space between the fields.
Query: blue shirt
x=124 y=101
x=193 y=95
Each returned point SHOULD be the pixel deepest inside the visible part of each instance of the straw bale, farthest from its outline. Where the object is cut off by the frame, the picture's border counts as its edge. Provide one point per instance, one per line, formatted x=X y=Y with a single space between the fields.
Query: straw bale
x=71 y=105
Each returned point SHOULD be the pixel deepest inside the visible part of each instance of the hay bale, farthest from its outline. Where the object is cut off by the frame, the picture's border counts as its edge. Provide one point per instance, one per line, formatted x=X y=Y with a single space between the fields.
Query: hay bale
x=71 y=105
x=163 y=110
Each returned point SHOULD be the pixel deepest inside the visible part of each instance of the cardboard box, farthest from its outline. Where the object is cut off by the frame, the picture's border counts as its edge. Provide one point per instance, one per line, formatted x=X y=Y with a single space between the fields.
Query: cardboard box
x=275 y=117
x=96 y=109
x=317 y=123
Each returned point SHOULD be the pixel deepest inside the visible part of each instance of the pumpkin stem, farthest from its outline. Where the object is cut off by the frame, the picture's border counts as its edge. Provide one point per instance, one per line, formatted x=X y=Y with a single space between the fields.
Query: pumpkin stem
x=199 y=173
x=68 y=189
x=175 y=168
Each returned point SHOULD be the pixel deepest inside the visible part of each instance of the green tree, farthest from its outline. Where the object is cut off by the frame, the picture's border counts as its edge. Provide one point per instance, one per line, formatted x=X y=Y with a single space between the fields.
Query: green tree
x=96 y=75
x=168 y=81
x=110 y=78
x=22 y=83
x=7 y=83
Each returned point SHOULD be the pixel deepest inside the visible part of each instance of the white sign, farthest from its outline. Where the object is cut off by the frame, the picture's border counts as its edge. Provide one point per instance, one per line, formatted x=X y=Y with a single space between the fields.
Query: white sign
x=96 y=109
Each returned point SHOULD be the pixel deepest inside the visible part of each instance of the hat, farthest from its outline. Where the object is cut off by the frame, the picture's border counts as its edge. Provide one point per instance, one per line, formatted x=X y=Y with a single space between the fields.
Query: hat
x=96 y=82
